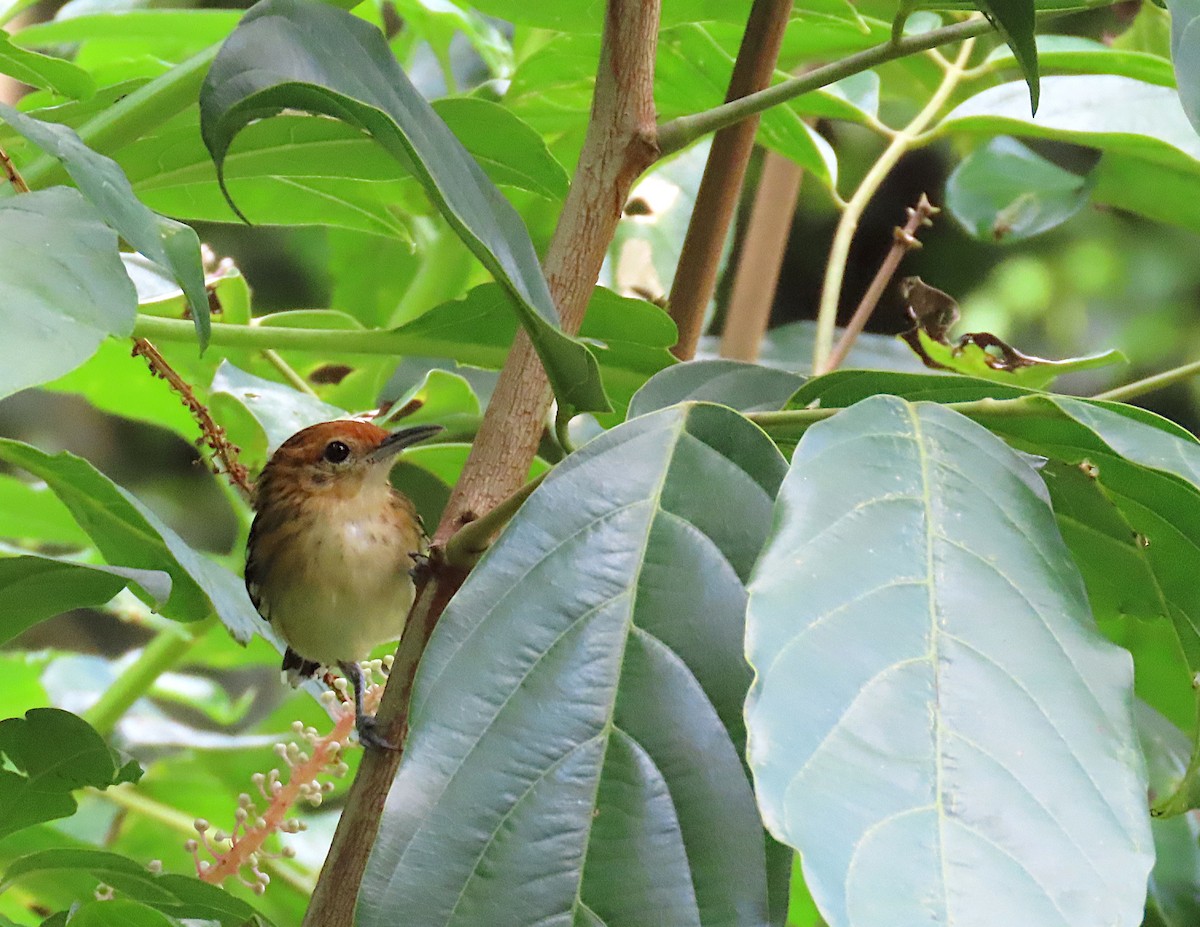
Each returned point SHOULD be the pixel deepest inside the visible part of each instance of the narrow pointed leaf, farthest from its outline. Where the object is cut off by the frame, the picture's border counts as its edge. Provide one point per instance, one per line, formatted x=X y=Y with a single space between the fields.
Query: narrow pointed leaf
x=1014 y=20
x=299 y=54
x=574 y=754
x=34 y=588
x=168 y=243
x=128 y=533
x=936 y=724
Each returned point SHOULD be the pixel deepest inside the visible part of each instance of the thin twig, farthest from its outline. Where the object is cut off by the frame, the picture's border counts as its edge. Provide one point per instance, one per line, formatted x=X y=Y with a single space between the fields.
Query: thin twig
x=905 y=240
x=761 y=258
x=286 y=370
x=1151 y=383
x=696 y=275
x=224 y=452
x=14 y=176
x=839 y=250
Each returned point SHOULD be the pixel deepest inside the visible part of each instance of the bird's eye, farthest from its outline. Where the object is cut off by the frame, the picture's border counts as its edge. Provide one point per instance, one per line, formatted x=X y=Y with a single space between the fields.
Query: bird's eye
x=336 y=452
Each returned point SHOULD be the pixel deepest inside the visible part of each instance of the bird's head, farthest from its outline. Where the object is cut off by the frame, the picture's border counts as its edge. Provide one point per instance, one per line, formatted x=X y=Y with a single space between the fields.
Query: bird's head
x=338 y=458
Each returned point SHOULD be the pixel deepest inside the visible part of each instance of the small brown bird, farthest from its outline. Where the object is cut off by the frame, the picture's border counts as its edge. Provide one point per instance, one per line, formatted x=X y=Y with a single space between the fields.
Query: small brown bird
x=331 y=548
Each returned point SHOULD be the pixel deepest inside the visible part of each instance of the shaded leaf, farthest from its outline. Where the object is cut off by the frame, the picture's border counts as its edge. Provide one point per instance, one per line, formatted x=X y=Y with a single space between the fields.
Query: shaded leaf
x=1005 y=192
x=43 y=71
x=1185 y=55
x=902 y=737
x=307 y=45
x=50 y=753
x=741 y=386
x=126 y=532
x=1014 y=20
x=168 y=243
x=176 y=895
x=1151 y=154
x=62 y=288
x=280 y=410
x=34 y=588
x=518 y=803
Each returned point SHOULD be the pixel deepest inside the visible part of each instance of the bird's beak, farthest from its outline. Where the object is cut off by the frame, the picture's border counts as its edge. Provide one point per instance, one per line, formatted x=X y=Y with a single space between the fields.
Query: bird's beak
x=397 y=441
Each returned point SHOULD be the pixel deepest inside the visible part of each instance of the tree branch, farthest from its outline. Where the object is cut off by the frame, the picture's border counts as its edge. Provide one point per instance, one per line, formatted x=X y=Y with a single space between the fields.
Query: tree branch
x=696 y=275
x=619 y=146
x=761 y=259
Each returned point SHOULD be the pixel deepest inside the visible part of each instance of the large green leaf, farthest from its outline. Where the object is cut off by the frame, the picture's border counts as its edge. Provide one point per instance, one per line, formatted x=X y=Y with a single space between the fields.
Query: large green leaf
x=34 y=588
x=62 y=287
x=49 y=754
x=576 y=723
x=128 y=533
x=1151 y=154
x=306 y=55
x=171 y=245
x=935 y=722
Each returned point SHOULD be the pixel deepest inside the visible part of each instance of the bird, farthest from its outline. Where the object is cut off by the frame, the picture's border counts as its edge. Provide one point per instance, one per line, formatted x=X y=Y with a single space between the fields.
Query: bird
x=332 y=547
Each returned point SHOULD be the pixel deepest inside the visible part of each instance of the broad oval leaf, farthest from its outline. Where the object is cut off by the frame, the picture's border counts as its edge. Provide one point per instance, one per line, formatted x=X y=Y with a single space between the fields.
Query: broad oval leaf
x=935 y=722
x=63 y=289
x=295 y=54
x=168 y=243
x=574 y=755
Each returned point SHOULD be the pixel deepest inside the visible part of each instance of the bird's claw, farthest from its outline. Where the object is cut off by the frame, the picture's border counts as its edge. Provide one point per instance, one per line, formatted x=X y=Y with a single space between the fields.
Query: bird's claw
x=369 y=736
x=421 y=569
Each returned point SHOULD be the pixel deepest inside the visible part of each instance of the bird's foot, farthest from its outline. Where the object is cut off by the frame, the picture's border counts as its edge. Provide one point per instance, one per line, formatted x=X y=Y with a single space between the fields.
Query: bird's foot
x=422 y=568
x=369 y=736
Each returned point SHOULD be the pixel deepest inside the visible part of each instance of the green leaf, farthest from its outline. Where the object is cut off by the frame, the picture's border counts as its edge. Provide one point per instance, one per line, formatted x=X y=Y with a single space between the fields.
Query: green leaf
x=279 y=410
x=975 y=360
x=1151 y=154
x=1014 y=20
x=62 y=287
x=789 y=347
x=741 y=386
x=631 y=337
x=34 y=588
x=119 y=911
x=1172 y=894
x=128 y=533
x=935 y=723
x=31 y=514
x=1005 y=192
x=54 y=74
x=1185 y=55
x=168 y=243
x=605 y=804
x=307 y=46
x=176 y=895
x=50 y=753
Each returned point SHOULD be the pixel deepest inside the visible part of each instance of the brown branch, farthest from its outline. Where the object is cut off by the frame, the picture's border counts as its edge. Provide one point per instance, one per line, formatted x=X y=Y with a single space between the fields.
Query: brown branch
x=761 y=259
x=224 y=452
x=14 y=176
x=905 y=240
x=696 y=275
x=619 y=146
